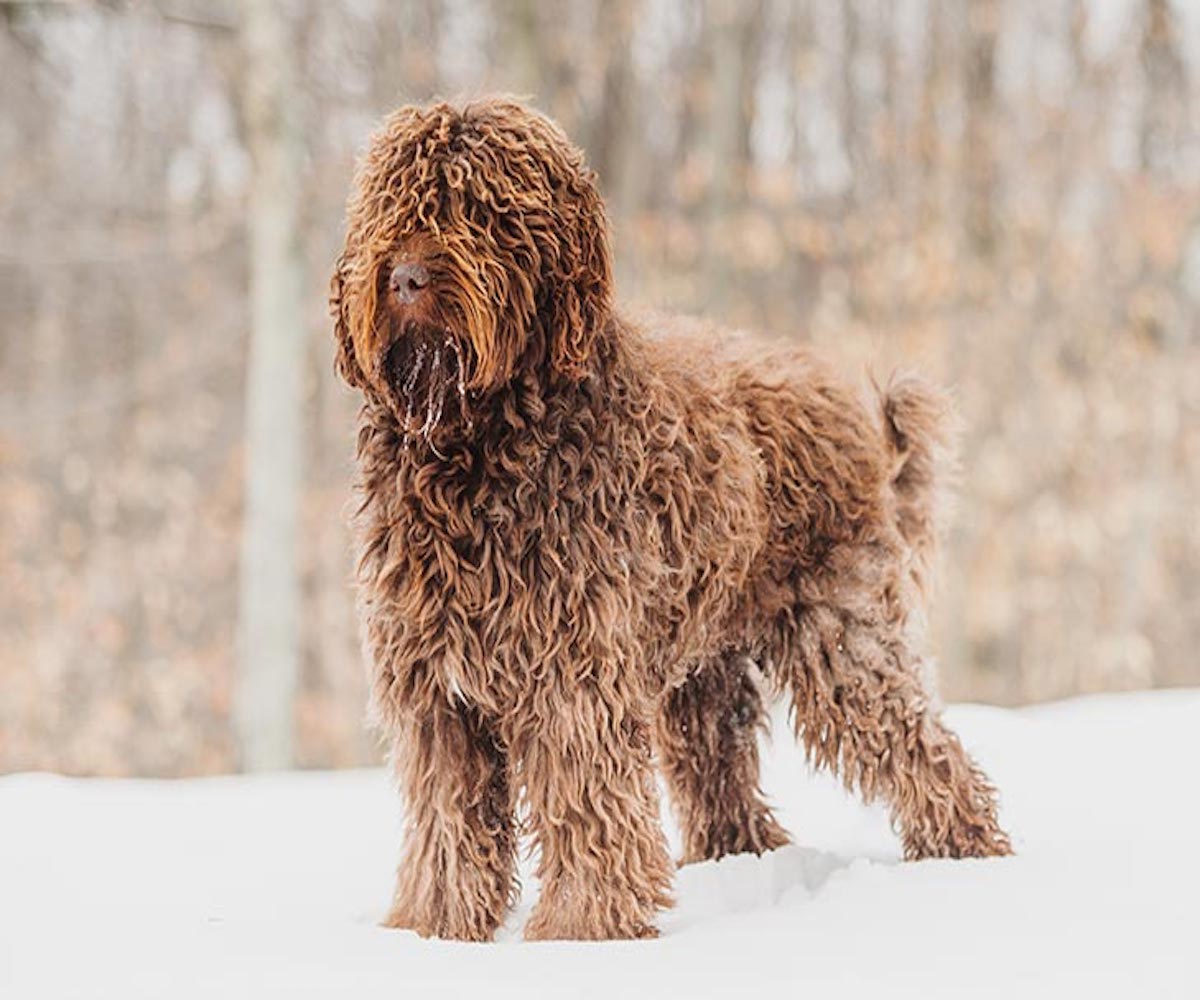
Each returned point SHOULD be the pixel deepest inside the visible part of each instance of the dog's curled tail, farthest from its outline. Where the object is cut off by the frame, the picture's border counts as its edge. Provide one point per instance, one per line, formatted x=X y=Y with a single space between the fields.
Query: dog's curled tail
x=922 y=431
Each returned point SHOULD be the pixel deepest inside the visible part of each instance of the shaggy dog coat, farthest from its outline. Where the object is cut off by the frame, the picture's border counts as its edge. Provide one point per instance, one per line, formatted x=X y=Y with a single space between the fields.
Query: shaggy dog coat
x=589 y=545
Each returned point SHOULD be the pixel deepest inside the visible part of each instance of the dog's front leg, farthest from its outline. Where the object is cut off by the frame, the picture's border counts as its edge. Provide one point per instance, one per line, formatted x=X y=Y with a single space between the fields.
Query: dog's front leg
x=457 y=876
x=593 y=808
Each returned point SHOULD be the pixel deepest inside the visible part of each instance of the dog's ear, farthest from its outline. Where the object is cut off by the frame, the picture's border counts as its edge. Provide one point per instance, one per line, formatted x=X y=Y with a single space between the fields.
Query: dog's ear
x=345 y=363
x=580 y=291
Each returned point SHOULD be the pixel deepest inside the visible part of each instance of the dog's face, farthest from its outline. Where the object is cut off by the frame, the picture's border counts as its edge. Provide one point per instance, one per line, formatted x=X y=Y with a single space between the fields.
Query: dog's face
x=476 y=244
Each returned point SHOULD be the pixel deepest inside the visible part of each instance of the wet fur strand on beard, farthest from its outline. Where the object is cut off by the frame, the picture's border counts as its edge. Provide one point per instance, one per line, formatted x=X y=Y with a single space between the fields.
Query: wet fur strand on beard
x=420 y=370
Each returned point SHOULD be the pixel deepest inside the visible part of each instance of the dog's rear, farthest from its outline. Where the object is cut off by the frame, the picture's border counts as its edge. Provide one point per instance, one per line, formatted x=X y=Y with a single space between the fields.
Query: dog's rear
x=921 y=429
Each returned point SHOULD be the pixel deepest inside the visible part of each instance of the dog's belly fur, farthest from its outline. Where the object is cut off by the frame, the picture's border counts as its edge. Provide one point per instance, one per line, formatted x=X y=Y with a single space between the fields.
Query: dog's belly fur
x=651 y=521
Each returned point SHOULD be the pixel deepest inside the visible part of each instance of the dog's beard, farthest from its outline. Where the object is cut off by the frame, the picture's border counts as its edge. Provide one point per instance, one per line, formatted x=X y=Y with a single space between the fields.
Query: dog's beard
x=425 y=371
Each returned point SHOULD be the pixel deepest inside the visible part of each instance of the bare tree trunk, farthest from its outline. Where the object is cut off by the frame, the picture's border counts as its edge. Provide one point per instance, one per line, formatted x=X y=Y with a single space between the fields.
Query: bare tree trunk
x=1165 y=94
x=983 y=24
x=613 y=126
x=695 y=70
x=928 y=153
x=268 y=643
x=520 y=45
x=1164 y=110
x=736 y=36
x=893 y=155
x=797 y=44
x=848 y=109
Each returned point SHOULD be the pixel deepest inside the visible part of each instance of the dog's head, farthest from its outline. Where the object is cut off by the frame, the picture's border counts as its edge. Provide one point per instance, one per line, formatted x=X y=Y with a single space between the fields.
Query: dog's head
x=476 y=244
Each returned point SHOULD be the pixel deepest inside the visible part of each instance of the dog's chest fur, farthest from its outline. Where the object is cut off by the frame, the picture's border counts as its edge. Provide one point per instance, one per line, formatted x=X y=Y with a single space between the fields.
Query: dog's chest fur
x=602 y=540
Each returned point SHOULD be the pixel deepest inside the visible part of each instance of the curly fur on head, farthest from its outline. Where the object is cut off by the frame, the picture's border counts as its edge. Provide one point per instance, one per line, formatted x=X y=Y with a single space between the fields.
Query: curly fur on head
x=589 y=546
x=499 y=207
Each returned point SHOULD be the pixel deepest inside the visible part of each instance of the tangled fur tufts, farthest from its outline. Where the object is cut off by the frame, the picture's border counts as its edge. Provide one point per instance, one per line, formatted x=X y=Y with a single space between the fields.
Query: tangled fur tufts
x=591 y=545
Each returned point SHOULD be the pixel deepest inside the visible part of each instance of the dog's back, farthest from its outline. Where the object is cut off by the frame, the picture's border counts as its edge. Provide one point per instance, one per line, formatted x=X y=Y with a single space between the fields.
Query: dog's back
x=832 y=458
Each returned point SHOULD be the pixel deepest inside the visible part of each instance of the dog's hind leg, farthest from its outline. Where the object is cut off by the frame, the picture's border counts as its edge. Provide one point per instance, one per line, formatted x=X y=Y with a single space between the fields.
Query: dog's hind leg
x=707 y=741
x=861 y=710
x=593 y=810
x=457 y=877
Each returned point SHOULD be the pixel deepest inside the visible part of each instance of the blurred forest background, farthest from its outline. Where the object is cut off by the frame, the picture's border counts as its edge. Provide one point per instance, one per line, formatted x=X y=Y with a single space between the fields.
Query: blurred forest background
x=1003 y=192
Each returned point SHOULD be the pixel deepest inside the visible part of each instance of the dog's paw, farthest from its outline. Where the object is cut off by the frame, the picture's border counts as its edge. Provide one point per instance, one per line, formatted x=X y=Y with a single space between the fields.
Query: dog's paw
x=449 y=926
x=982 y=841
x=554 y=930
x=755 y=835
x=991 y=842
x=597 y=922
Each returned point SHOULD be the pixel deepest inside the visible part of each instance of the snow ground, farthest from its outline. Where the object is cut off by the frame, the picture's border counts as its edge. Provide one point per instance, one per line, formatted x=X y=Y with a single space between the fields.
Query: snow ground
x=272 y=886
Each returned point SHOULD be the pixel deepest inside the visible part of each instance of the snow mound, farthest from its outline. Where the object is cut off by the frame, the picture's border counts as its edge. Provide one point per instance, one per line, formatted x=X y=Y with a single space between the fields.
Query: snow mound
x=273 y=886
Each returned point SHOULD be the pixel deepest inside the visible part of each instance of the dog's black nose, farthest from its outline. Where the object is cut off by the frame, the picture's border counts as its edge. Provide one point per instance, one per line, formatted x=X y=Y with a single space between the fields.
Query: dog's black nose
x=407 y=281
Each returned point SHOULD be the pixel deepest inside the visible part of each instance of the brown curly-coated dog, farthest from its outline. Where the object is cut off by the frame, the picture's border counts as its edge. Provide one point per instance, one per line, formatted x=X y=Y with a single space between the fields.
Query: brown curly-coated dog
x=587 y=542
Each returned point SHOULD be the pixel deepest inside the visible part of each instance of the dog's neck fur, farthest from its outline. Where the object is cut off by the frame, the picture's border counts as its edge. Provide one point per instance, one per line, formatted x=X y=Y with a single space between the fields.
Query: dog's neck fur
x=527 y=408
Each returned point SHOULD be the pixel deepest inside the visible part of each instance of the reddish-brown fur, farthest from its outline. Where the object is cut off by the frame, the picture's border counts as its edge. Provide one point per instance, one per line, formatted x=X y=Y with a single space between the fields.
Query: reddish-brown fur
x=588 y=541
